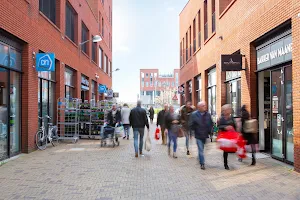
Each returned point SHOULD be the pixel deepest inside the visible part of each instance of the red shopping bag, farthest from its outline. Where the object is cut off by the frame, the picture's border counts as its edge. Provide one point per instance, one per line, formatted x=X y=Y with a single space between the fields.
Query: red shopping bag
x=241 y=150
x=157 y=134
x=227 y=141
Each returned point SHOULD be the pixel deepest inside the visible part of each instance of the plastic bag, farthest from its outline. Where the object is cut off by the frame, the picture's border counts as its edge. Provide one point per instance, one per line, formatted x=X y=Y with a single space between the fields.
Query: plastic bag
x=241 y=150
x=157 y=134
x=227 y=141
x=119 y=131
x=148 y=142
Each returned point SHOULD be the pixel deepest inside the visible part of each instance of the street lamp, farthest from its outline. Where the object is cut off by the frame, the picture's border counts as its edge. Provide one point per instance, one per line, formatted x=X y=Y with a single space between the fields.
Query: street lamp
x=95 y=39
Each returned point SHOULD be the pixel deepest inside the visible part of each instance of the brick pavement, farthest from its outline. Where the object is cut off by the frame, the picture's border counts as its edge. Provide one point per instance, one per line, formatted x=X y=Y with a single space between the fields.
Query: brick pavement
x=86 y=171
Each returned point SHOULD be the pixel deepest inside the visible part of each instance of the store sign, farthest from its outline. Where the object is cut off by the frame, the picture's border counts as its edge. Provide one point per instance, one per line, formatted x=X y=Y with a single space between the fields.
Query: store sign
x=274 y=54
x=102 y=89
x=231 y=62
x=45 y=62
x=116 y=95
x=110 y=93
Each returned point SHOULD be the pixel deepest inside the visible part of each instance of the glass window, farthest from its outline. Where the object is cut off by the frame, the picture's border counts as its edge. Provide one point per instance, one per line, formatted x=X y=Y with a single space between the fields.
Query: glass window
x=47 y=7
x=94 y=51
x=84 y=38
x=94 y=90
x=108 y=71
x=199 y=89
x=100 y=58
x=142 y=74
x=147 y=84
x=69 y=83
x=105 y=64
x=233 y=96
x=212 y=81
x=70 y=22
x=102 y=27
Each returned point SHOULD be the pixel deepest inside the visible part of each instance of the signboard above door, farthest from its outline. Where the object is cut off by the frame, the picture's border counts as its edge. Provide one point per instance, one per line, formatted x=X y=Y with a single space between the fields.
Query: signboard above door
x=231 y=62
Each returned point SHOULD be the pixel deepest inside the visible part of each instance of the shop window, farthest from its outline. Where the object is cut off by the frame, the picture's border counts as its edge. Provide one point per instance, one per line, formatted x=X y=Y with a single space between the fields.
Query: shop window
x=211 y=91
x=70 y=22
x=84 y=88
x=100 y=58
x=198 y=89
x=94 y=88
x=233 y=96
x=84 y=38
x=46 y=94
x=69 y=83
x=48 y=8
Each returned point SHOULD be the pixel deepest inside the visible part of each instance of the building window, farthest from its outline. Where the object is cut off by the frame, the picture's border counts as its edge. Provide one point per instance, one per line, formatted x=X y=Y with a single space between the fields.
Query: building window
x=212 y=90
x=94 y=87
x=180 y=54
x=94 y=51
x=102 y=2
x=102 y=27
x=183 y=53
x=198 y=89
x=100 y=58
x=223 y=4
x=109 y=14
x=147 y=84
x=105 y=63
x=199 y=29
x=84 y=87
x=190 y=49
x=109 y=41
x=186 y=47
x=205 y=21
x=48 y=8
x=194 y=35
x=70 y=22
x=233 y=91
x=84 y=38
x=190 y=84
x=99 y=22
x=69 y=83
x=146 y=75
x=159 y=84
x=213 y=15
x=109 y=68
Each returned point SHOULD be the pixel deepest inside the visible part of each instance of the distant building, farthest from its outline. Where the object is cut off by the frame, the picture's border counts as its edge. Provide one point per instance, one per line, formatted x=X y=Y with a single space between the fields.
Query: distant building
x=158 y=88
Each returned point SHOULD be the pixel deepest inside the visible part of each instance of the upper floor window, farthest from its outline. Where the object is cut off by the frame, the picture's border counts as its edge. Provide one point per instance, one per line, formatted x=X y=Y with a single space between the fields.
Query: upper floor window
x=94 y=49
x=109 y=14
x=194 y=35
x=84 y=38
x=100 y=18
x=186 y=47
x=70 y=22
x=100 y=58
x=223 y=4
x=213 y=15
x=190 y=30
x=105 y=63
x=102 y=27
x=102 y=1
x=146 y=74
x=48 y=8
x=205 y=21
x=199 y=28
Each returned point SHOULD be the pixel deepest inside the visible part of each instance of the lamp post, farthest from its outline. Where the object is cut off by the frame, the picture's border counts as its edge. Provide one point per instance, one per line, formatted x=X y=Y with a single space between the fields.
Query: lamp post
x=95 y=39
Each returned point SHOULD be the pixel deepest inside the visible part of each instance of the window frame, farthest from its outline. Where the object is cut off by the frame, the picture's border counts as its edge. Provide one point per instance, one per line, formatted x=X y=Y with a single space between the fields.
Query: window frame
x=84 y=38
x=72 y=20
x=48 y=5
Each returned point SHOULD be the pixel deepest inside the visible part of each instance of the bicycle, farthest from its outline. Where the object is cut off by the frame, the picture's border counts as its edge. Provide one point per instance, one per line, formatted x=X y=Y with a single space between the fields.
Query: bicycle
x=42 y=136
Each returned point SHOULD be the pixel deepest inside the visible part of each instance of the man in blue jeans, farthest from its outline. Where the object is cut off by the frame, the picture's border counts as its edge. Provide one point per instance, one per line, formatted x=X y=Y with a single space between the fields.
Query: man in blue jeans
x=201 y=123
x=138 y=120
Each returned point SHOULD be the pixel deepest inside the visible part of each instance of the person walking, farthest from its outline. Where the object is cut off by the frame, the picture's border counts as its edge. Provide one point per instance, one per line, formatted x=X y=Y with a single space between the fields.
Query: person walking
x=201 y=123
x=138 y=120
x=226 y=123
x=172 y=127
x=185 y=113
x=161 y=122
x=114 y=117
x=151 y=111
x=250 y=137
x=125 y=113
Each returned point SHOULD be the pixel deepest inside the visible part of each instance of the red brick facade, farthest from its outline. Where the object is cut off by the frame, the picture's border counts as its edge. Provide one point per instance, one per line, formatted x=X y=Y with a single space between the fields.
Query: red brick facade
x=23 y=20
x=239 y=24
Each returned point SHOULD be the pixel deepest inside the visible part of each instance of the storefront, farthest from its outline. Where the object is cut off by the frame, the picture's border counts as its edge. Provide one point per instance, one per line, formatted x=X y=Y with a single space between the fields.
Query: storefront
x=69 y=83
x=233 y=91
x=212 y=93
x=84 y=88
x=10 y=93
x=274 y=70
x=198 y=88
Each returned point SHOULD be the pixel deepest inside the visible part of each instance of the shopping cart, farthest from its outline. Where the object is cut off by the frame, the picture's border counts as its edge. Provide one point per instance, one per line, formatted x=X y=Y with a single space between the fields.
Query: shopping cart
x=108 y=135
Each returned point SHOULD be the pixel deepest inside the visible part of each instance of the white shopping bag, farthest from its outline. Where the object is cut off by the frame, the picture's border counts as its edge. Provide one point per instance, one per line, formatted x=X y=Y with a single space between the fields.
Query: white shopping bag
x=119 y=131
x=148 y=142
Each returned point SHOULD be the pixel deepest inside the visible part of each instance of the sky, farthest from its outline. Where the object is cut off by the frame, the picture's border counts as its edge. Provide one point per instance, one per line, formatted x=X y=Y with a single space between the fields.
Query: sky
x=145 y=36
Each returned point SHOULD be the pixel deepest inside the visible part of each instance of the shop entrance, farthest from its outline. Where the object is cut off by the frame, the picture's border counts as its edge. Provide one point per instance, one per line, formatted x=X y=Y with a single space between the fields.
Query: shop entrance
x=276 y=113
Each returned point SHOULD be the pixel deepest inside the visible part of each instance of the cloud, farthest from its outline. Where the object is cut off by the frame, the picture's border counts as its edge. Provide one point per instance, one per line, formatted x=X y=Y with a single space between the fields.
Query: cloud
x=169 y=9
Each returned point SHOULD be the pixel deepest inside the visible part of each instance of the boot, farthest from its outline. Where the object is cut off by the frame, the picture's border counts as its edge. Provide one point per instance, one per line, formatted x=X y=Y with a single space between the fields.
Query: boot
x=174 y=155
x=141 y=153
x=226 y=166
x=136 y=155
x=188 y=152
x=202 y=167
x=253 y=161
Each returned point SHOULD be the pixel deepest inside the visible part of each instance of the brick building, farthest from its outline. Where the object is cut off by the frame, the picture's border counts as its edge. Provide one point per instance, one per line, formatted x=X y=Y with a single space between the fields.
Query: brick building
x=29 y=27
x=240 y=52
x=154 y=85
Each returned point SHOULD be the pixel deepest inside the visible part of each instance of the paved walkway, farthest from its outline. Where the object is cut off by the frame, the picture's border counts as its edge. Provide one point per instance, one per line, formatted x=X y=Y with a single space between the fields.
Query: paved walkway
x=86 y=171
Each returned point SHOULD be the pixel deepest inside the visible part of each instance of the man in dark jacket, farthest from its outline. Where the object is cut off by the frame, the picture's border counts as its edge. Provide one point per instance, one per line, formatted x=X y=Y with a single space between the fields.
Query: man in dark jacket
x=114 y=117
x=185 y=113
x=201 y=123
x=138 y=120
x=161 y=118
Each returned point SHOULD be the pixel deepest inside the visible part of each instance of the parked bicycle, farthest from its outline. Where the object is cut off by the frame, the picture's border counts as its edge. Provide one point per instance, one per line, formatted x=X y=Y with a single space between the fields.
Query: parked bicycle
x=44 y=136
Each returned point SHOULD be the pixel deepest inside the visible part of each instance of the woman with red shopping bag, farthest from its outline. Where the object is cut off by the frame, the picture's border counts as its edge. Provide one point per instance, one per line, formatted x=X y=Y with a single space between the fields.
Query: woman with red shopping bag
x=227 y=137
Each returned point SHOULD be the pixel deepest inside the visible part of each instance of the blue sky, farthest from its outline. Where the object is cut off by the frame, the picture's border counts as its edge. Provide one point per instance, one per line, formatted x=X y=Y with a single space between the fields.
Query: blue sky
x=145 y=35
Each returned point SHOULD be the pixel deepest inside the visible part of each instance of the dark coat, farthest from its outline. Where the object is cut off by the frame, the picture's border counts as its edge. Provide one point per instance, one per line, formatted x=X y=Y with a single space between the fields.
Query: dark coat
x=201 y=124
x=138 y=118
x=223 y=123
x=110 y=118
x=151 y=111
x=250 y=137
x=161 y=118
x=185 y=116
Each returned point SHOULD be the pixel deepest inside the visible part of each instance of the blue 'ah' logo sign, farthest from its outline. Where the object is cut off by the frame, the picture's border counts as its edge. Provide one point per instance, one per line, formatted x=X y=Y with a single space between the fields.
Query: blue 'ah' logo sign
x=45 y=62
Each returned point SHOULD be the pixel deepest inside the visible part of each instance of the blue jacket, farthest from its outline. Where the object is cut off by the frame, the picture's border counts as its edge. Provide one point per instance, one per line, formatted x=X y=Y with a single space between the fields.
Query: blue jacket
x=201 y=124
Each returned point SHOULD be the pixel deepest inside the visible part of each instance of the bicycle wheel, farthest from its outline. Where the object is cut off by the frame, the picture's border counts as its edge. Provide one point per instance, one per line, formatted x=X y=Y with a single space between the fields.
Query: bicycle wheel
x=55 y=138
x=41 y=140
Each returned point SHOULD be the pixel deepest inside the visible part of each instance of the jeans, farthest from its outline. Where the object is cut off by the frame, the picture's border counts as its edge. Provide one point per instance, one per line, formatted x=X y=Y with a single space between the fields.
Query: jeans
x=172 y=137
x=126 y=130
x=187 y=140
x=200 y=144
x=136 y=133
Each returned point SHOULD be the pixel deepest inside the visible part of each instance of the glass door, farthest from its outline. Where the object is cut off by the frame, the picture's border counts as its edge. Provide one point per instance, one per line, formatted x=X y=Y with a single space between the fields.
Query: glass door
x=276 y=115
x=288 y=117
x=4 y=90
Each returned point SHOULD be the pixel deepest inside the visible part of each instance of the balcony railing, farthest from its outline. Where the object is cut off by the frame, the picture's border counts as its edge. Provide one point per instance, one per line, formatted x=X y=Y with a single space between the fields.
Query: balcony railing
x=206 y=31
x=199 y=39
x=194 y=45
x=214 y=22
